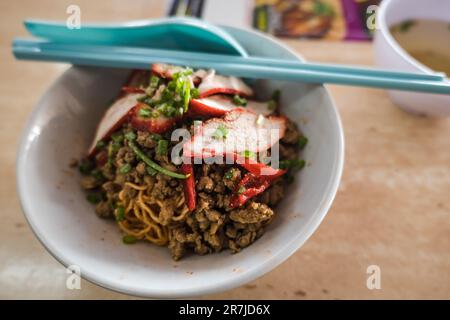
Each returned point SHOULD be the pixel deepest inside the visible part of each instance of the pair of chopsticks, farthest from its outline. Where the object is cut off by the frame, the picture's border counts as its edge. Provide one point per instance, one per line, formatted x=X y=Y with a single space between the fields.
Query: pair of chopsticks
x=247 y=67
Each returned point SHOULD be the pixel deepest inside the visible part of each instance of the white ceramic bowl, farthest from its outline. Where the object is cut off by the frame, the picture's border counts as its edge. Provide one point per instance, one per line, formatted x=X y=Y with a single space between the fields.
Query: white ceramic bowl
x=390 y=55
x=61 y=128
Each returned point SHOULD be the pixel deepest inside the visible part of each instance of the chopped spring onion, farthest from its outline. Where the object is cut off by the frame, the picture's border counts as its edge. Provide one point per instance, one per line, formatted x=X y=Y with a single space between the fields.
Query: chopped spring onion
x=130 y=136
x=162 y=147
x=125 y=168
x=94 y=198
x=302 y=141
x=154 y=81
x=97 y=174
x=151 y=171
x=120 y=213
x=239 y=101
x=176 y=95
x=220 y=133
x=186 y=95
x=117 y=137
x=296 y=164
x=110 y=154
x=241 y=190
x=155 y=136
x=140 y=154
x=229 y=174
x=153 y=85
x=146 y=99
x=195 y=93
x=129 y=239
x=168 y=109
x=145 y=112
x=86 y=166
x=100 y=144
x=248 y=154
x=115 y=146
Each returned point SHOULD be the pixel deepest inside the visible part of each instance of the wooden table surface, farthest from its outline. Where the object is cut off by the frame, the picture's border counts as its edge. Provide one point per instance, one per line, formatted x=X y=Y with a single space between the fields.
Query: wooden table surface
x=392 y=208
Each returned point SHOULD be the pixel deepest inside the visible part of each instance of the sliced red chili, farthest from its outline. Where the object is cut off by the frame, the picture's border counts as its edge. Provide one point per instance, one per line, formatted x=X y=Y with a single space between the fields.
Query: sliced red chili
x=247 y=188
x=189 y=186
x=259 y=168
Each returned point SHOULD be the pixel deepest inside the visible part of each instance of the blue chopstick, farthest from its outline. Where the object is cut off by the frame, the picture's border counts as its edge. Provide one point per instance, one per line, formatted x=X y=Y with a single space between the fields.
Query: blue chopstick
x=248 y=67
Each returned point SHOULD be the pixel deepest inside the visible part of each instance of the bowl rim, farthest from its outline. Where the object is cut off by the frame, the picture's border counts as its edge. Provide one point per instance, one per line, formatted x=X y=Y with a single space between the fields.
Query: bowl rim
x=251 y=274
x=384 y=29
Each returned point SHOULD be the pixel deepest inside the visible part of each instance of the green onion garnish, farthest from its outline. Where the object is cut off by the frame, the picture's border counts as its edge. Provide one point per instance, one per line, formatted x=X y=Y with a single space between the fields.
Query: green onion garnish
x=296 y=164
x=195 y=93
x=117 y=137
x=167 y=108
x=229 y=174
x=140 y=154
x=129 y=239
x=110 y=154
x=161 y=148
x=183 y=73
x=186 y=95
x=153 y=85
x=120 y=213
x=115 y=146
x=171 y=86
x=241 y=190
x=156 y=136
x=146 y=99
x=302 y=142
x=100 y=144
x=130 y=136
x=248 y=154
x=151 y=171
x=86 y=166
x=176 y=95
x=145 y=112
x=93 y=198
x=220 y=133
x=125 y=168
x=97 y=174
x=239 y=101
x=154 y=81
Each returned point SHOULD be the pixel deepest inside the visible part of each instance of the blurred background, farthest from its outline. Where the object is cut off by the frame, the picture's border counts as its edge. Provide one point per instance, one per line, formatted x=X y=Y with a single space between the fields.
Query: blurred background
x=393 y=204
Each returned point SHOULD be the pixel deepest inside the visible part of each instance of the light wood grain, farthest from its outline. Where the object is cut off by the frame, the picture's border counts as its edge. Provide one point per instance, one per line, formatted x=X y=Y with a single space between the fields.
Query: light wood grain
x=392 y=208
